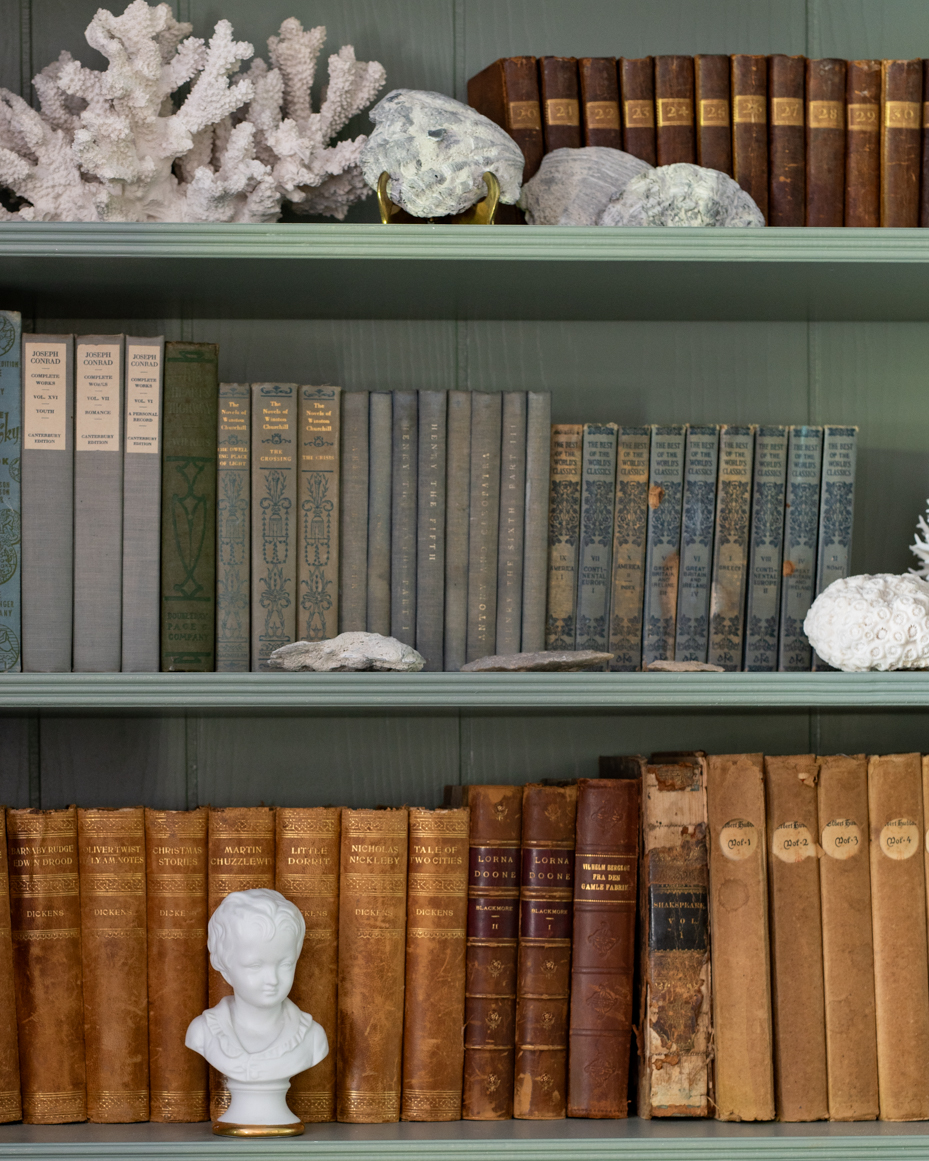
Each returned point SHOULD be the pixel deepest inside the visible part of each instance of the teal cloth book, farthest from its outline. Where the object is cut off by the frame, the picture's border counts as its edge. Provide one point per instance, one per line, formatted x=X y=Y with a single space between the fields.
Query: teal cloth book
x=801 y=521
x=535 y=542
x=405 y=493
x=318 y=476
x=765 y=549
x=630 y=521
x=698 y=517
x=11 y=632
x=484 y=523
x=836 y=509
x=233 y=527
x=379 y=512
x=430 y=528
x=512 y=523
x=595 y=549
x=663 y=543
x=730 y=548
x=457 y=528
x=353 y=533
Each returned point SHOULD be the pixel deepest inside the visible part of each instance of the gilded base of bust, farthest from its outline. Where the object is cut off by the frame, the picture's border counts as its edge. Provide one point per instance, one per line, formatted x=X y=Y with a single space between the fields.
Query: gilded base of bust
x=227 y=1129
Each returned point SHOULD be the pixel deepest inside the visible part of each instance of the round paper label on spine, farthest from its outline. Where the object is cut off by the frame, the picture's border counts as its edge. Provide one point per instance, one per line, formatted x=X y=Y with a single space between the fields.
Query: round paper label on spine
x=738 y=839
x=792 y=842
x=900 y=838
x=841 y=838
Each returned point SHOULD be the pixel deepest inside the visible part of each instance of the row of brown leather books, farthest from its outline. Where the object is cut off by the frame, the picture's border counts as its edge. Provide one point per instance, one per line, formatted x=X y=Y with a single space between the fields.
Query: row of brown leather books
x=814 y=142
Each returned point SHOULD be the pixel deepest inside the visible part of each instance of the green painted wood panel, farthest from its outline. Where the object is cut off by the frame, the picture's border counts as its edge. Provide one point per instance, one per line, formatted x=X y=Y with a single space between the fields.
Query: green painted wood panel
x=865 y=29
x=15 y=736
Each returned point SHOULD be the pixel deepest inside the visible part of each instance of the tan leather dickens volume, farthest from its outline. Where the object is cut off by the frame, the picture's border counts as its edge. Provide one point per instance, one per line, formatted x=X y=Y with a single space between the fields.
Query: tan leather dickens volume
x=796 y=939
x=898 y=914
x=372 y=941
x=493 y=934
x=863 y=143
x=713 y=113
x=605 y=865
x=786 y=140
x=111 y=847
x=175 y=865
x=436 y=943
x=750 y=127
x=544 y=973
x=11 y=1105
x=307 y=873
x=901 y=140
x=674 y=109
x=507 y=92
x=637 y=98
x=45 y=913
x=848 y=952
x=560 y=102
x=739 y=922
x=599 y=86
x=825 y=142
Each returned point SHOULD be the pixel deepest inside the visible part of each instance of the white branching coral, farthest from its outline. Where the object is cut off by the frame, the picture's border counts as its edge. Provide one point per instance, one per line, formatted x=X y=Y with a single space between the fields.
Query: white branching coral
x=920 y=547
x=113 y=145
x=875 y=622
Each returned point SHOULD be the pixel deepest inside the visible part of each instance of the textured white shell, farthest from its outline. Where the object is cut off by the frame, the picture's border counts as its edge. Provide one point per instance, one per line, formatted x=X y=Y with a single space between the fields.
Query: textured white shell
x=682 y=195
x=875 y=622
x=574 y=186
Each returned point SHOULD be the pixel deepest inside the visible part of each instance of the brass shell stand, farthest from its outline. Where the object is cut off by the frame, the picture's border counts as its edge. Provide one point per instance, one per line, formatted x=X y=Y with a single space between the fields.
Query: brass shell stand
x=226 y=1129
x=481 y=214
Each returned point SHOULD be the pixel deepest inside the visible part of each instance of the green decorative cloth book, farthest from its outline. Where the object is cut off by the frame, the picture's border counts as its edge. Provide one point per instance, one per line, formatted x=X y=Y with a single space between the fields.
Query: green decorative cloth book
x=798 y=571
x=630 y=521
x=698 y=515
x=730 y=550
x=765 y=549
x=598 y=496
x=233 y=527
x=663 y=543
x=319 y=440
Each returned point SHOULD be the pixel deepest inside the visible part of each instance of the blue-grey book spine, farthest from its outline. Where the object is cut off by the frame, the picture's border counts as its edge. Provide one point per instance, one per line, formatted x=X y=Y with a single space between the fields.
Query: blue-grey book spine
x=318 y=417
x=836 y=510
x=512 y=523
x=457 y=528
x=379 y=508
x=535 y=543
x=595 y=551
x=486 y=420
x=801 y=522
x=274 y=519
x=430 y=529
x=730 y=548
x=233 y=527
x=564 y=523
x=698 y=515
x=663 y=543
x=353 y=538
x=765 y=551
x=404 y=472
x=630 y=521
x=11 y=629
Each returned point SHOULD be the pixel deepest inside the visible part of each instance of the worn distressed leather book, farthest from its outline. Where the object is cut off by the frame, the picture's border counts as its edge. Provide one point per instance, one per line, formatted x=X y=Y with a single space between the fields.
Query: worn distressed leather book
x=544 y=970
x=457 y=528
x=307 y=845
x=379 y=511
x=786 y=140
x=898 y=915
x=730 y=548
x=372 y=942
x=630 y=520
x=111 y=848
x=674 y=109
x=507 y=92
x=560 y=103
x=430 y=528
x=233 y=527
x=353 y=537
x=483 y=543
x=512 y=523
x=564 y=515
x=637 y=97
x=863 y=143
x=188 y=508
x=750 y=127
x=436 y=940
x=825 y=142
x=45 y=912
x=901 y=141
x=404 y=490
x=605 y=866
x=318 y=502
x=535 y=541
x=698 y=518
x=848 y=949
x=675 y=1073
x=801 y=1090
x=599 y=88
x=663 y=543
x=798 y=572
x=595 y=548
x=765 y=549
x=836 y=509
x=713 y=115
x=176 y=874
x=742 y=1028
x=11 y=1105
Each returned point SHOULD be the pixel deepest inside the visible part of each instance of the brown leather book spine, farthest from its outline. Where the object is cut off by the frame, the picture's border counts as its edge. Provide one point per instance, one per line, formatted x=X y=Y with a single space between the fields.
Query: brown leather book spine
x=436 y=946
x=786 y=140
x=863 y=143
x=544 y=970
x=796 y=939
x=637 y=98
x=11 y=1105
x=898 y=916
x=924 y=168
x=825 y=142
x=561 y=106
x=508 y=93
x=493 y=941
x=307 y=873
x=713 y=113
x=750 y=127
x=45 y=915
x=599 y=89
x=176 y=873
x=674 y=109
x=901 y=141
x=114 y=963
x=372 y=943
x=848 y=949
x=605 y=865
x=739 y=923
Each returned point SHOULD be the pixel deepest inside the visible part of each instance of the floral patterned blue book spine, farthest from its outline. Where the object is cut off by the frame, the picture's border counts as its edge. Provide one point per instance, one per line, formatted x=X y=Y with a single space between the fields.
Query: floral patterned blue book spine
x=798 y=572
x=233 y=528
x=730 y=549
x=10 y=508
x=698 y=514
x=663 y=544
x=836 y=509
x=598 y=495
x=765 y=550
x=630 y=520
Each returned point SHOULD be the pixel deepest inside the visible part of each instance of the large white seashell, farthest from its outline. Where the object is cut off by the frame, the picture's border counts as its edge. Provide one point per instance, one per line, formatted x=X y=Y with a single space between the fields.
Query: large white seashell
x=682 y=195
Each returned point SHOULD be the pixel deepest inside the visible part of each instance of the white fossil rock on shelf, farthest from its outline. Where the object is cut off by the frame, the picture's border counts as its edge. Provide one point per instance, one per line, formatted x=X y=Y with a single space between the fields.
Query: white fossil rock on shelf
x=682 y=195
x=574 y=186
x=349 y=652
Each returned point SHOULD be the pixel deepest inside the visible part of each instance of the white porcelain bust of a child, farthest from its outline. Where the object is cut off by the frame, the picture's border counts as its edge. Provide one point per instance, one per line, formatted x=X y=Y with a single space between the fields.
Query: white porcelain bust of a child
x=257 y=1038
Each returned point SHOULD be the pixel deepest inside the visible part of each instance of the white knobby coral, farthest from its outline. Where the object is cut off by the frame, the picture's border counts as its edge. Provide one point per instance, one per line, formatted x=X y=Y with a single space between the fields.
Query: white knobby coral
x=920 y=547
x=113 y=146
x=878 y=622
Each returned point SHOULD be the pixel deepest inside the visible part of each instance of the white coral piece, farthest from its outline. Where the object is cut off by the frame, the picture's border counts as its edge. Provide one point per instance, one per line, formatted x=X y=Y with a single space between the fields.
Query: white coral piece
x=920 y=547
x=878 y=622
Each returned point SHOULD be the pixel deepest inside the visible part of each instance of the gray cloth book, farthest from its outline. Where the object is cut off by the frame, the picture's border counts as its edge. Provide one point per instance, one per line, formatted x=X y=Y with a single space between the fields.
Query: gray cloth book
x=484 y=521
x=353 y=571
x=836 y=510
x=404 y=495
x=798 y=572
x=730 y=546
x=595 y=547
x=765 y=548
x=233 y=527
x=98 y=503
x=318 y=504
x=663 y=543
x=11 y=430
x=457 y=528
x=430 y=529
x=535 y=539
x=698 y=515
x=630 y=522
x=379 y=510
x=512 y=526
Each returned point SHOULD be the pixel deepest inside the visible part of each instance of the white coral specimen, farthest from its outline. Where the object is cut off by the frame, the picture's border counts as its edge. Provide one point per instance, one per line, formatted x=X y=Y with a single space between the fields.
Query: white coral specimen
x=876 y=622
x=113 y=146
x=682 y=195
x=920 y=547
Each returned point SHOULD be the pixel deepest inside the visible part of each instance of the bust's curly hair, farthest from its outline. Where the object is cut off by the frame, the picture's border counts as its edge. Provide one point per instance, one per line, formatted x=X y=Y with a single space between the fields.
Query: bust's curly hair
x=261 y=910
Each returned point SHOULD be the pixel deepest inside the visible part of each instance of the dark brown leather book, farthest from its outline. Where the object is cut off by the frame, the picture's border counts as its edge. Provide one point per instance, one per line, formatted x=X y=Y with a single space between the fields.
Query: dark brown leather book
x=308 y=841
x=372 y=943
x=750 y=127
x=599 y=88
x=561 y=106
x=111 y=847
x=924 y=178
x=175 y=866
x=674 y=109
x=45 y=915
x=863 y=143
x=637 y=98
x=544 y=971
x=786 y=140
x=493 y=935
x=825 y=142
x=620 y=766
x=11 y=1105
x=713 y=115
x=436 y=944
x=508 y=93
x=901 y=139
x=605 y=865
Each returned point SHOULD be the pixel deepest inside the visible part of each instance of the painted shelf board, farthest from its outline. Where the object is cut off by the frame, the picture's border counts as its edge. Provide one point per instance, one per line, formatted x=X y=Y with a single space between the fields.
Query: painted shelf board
x=291 y=270
x=417 y=691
